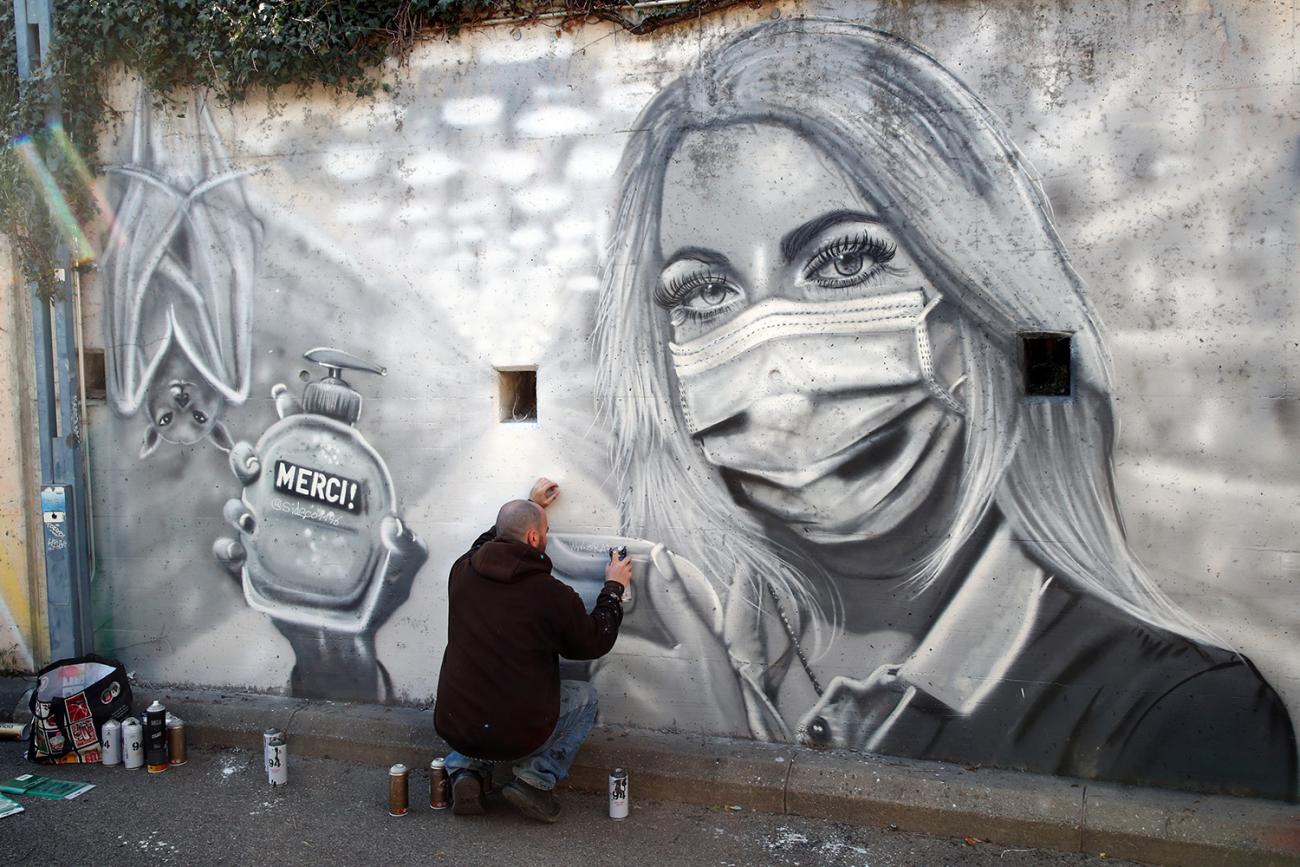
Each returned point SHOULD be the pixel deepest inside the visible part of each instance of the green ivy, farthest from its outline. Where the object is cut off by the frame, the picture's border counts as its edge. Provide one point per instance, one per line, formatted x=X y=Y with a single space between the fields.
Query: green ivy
x=230 y=46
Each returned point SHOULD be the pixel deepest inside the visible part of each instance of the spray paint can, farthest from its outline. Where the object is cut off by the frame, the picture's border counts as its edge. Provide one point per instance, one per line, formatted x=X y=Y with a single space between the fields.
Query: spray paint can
x=438 y=783
x=132 y=743
x=397 y=790
x=176 y=753
x=276 y=757
x=110 y=743
x=155 y=738
x=618 y=794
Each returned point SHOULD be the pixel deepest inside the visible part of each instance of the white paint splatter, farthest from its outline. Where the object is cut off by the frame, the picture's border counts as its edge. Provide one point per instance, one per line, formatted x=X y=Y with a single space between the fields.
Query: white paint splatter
x=785 y=838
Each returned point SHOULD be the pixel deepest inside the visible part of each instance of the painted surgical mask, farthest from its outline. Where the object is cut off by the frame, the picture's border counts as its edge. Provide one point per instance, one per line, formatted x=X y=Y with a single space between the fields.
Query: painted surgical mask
x=790 y=392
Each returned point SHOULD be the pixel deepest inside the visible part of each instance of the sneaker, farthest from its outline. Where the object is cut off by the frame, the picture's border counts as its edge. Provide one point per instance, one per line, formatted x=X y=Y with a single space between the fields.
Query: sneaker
x=537 y=804
x=466 y=794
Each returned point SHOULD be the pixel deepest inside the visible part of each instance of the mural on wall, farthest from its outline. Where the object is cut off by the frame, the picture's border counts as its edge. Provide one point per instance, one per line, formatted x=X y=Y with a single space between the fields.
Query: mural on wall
x=825 y=248
x=320 y=547
x=179 y=266
x=848 y=526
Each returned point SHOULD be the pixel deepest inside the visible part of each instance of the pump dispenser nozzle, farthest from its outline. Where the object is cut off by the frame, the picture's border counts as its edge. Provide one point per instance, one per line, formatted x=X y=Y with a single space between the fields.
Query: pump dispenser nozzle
x=332 y=396
x=335 y=361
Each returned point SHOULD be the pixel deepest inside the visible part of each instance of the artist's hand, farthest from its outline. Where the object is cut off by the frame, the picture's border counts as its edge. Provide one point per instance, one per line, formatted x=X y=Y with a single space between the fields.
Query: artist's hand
x=619 y=571
x=544 y=492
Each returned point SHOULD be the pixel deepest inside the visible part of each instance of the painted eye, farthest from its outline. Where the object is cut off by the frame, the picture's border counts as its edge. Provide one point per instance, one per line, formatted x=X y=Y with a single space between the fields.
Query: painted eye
x=165 y=419
x=850 y=261
x=710 y=295
x=200 y=417
x=849 y=264
x=693 y=291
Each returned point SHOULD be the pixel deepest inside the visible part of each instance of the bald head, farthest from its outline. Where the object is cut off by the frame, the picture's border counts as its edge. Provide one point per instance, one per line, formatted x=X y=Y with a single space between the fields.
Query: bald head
x=524 y=521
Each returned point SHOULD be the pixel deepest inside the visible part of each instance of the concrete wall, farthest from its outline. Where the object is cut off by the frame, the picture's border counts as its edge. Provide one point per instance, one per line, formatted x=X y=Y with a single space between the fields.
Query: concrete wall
x=458 y=226
x=22 y=610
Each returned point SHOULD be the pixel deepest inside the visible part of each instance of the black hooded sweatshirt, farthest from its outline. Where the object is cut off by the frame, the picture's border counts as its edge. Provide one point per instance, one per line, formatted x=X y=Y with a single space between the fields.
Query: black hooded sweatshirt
x=508 y=622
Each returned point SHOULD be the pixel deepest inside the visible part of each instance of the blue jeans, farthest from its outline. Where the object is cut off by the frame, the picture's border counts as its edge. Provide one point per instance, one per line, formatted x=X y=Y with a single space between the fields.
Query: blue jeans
x=551 y=762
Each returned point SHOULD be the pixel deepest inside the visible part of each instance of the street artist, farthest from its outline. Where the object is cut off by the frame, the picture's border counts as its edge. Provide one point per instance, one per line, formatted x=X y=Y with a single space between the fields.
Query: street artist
x=500 y=697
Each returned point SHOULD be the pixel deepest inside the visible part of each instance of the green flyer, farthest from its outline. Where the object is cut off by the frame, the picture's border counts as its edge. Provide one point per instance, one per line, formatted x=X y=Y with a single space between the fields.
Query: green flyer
x=44 y=787
x=8 y=806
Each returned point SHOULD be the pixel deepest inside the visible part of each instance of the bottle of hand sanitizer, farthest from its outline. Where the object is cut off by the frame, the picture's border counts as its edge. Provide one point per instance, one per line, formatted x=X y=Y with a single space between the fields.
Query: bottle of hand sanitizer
x=318 y=524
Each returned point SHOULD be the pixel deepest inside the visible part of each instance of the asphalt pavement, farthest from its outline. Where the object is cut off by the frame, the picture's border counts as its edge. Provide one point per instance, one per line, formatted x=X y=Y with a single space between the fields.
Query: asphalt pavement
x=218 y=809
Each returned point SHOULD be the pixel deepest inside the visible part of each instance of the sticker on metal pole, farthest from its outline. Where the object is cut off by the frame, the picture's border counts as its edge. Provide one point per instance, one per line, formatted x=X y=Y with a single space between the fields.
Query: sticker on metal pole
x=54 y=504
x=54 y=514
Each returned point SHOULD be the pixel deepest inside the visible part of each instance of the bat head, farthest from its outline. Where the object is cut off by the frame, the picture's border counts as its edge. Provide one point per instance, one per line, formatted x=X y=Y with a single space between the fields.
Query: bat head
x=183 y=409
x=184 y=413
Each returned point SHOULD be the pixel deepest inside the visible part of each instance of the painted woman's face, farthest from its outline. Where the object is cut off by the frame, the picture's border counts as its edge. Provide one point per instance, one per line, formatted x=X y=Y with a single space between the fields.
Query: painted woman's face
x=794 y=317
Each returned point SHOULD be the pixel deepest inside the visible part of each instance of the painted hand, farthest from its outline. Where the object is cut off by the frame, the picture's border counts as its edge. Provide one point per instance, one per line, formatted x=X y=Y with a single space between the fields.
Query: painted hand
x=670 y=667
x=231 y=553
x=406 y=554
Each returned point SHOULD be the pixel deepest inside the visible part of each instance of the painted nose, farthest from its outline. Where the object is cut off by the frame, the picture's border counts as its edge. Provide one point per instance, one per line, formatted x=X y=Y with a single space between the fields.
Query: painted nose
x=183 y=399
x=784 y=412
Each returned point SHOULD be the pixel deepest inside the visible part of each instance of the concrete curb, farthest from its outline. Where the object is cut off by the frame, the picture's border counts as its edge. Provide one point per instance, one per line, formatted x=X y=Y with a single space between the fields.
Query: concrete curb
x=1003 y=807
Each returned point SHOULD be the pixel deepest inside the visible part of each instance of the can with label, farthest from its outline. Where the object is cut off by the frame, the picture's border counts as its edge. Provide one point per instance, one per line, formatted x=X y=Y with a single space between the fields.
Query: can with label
x=132 y=743
x=618 y=794
x=438 y=783
x=155 y=738
x=110 y=743
x=176 y=753
x=276 y=757
x=397 y=789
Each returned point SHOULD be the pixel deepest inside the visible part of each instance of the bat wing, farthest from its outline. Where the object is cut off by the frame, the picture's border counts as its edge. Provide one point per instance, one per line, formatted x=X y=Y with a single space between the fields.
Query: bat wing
x=180 y=261
x=137 y=332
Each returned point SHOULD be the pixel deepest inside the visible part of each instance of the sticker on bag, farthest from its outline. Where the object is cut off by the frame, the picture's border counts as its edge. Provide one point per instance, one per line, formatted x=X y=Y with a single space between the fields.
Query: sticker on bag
x=83 y=733
x=78 y=708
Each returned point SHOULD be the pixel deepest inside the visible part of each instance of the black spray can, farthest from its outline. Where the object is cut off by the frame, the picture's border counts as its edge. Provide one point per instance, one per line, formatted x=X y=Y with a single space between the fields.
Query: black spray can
x=155 y=738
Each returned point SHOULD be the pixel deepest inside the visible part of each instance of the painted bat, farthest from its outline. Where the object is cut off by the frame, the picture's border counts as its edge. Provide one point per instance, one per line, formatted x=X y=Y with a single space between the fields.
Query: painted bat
x=179 y=270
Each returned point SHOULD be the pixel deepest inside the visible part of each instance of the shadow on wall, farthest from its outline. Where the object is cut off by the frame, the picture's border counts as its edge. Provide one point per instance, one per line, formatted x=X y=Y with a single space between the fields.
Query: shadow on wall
x=833 y=249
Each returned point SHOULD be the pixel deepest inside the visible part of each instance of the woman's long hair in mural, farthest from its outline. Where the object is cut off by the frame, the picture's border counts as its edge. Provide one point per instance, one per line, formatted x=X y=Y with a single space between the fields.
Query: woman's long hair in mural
x=953 y=189
x=179 y=269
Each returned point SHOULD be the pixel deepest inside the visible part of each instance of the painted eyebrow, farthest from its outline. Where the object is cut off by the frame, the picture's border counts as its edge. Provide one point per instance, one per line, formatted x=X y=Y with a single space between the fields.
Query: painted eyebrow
x=795 y=241
x=699 y=254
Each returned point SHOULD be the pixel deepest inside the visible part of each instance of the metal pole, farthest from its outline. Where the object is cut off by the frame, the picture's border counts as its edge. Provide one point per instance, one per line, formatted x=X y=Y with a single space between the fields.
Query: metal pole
x=64 y=508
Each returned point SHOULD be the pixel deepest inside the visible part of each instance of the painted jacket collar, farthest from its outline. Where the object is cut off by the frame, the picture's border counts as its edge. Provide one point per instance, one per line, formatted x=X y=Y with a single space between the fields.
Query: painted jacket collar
x=966 y=652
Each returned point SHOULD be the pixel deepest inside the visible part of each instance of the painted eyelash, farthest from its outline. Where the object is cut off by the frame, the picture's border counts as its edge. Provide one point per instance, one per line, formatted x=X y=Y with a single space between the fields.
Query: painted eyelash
x=881 y=253
x=669 y=295
x=682 y=315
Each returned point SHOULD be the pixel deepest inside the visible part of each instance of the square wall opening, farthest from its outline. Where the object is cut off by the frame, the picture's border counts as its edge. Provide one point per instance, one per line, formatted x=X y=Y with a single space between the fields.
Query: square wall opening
x=1047 y=364
x=516 y=394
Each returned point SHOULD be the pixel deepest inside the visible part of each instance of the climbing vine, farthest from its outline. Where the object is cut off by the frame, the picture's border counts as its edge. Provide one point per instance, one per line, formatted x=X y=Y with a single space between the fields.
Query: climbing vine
x=232 y=47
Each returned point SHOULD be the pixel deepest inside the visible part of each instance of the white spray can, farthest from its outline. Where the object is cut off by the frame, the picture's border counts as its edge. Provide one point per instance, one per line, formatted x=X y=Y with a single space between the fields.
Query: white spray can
x=276 y=757
x=618 y=794
x=132 y=743
x=110 y=743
